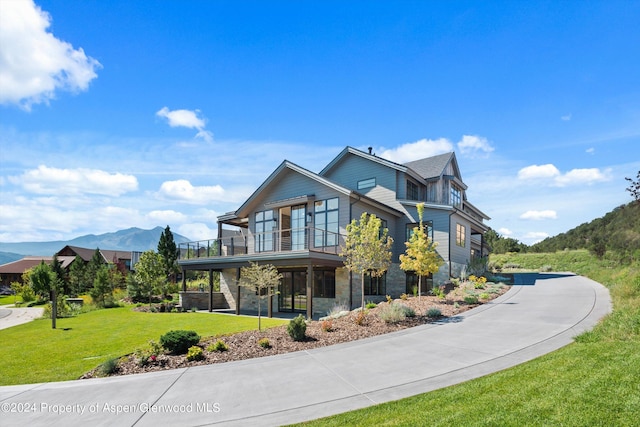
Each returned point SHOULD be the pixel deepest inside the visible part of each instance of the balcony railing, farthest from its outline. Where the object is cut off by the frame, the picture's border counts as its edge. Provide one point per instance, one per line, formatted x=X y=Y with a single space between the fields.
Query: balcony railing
x=275 y=241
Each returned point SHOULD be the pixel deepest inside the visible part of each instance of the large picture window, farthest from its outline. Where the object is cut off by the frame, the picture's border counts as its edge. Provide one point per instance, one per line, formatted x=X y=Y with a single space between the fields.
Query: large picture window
x=375 y=285
x=412 y=283
x=428 y=228
x=324 y=284
x=461 y=235
x=265 y=225
x=326 y=222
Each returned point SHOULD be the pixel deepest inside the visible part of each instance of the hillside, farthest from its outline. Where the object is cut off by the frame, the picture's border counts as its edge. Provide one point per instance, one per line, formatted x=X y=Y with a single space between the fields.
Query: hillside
x=131 y=239
x=618 y=231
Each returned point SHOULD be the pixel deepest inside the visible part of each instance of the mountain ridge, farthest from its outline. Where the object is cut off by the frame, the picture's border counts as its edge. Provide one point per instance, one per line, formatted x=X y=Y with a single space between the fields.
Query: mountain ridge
x=130 y=239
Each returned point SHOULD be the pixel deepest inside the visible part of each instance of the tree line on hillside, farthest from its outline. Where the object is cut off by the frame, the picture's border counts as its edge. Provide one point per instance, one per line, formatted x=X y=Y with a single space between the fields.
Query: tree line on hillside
x=617 y=232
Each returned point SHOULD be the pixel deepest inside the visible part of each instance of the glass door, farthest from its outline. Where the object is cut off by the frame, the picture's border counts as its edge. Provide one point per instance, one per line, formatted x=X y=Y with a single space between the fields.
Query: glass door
x=293 y=291
x=298 y=224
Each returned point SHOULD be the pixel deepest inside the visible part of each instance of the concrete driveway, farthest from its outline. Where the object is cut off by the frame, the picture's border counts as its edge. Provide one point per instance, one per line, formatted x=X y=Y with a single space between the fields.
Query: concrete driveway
x=540 y=314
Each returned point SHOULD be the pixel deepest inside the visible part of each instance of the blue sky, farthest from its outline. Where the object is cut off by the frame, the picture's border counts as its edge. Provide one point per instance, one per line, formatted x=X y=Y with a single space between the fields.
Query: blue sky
x=120 y=114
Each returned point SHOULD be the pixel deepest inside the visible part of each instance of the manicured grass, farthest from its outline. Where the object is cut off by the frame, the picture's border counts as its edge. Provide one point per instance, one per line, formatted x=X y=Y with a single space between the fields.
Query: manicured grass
x=9 y=299
x=592 y=382
x=33 y=352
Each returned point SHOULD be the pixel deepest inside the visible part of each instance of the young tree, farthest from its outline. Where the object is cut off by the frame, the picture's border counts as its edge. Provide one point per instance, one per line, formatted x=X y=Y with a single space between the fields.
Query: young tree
x=263 y=279
x=420 y=256
x=367 y=248
x=102 y=290
x=45 y=283
x=92 y=267
x=634 y=188
x=168 y=250
x=57 y=269
x=150 y=274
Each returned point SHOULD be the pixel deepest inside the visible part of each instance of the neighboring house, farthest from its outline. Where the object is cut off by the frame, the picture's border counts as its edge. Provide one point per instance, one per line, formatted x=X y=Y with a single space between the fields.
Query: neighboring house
x=12 y=271
x=122 y=259
x=296 y=220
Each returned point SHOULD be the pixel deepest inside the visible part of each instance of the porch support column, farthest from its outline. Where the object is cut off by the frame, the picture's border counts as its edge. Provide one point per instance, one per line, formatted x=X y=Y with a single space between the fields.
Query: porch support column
x=210 y=290
x=238 y=292
x=270 y=305
x=309 y=291
x=219 y=238
x=184 y=280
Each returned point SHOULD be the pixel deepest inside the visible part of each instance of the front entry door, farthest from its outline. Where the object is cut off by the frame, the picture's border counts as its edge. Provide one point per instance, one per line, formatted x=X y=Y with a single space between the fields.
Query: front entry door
x=293 y=291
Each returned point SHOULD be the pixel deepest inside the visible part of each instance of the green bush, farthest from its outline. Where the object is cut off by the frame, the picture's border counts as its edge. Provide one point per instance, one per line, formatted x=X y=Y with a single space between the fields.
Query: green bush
x=264 y=343
x=471 y=299
x=219 y=345
x=297 y=328
x=434 y=312
x=178 y=341
x=195 y=353
x=109 y=367
x=370 y=304
x=395 y=312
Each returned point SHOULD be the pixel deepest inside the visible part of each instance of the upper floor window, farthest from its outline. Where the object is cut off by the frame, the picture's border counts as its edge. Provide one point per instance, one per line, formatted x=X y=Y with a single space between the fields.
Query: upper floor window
x=461 y=235
x=326 y=222
x=413 y=192
x=428 y=228
x=366 y=183
x=456 y=196
x=265 y=224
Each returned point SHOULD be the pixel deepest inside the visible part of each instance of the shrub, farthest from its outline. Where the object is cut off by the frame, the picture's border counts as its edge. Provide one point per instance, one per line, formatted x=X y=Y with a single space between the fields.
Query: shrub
x=456 y=305
x=337 y=309
x=151 y=352
x=326 y=326
x=438 y=291
x=434 y=312
x=484 y=295
x=404 y=297
x=264 y=343
x=471 y=299
x=360 y=318
x=370 y=304
x=389 y=299
x=546 y=268
x=414 y=290
x=195 y=353
x=109 y=367
x=179 y=341
x=297 y=328
x=219 y=345
x=394 y=313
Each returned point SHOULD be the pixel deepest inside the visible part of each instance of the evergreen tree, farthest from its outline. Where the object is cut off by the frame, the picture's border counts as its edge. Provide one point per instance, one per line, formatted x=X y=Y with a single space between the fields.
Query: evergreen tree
x=150 y=274
x=102 y=290
x=168 y=250
x=77 y=276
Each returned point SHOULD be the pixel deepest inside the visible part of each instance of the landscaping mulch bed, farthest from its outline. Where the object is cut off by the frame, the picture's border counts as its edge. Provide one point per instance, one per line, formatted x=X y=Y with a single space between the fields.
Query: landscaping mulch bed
x=244 y=345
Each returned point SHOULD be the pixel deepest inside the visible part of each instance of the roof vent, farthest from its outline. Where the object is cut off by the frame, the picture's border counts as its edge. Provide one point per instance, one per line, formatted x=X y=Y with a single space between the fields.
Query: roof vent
x=370 y=150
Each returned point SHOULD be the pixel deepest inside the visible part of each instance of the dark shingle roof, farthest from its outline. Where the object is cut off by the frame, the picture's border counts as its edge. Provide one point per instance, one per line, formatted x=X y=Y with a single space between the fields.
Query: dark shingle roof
x=431 y=167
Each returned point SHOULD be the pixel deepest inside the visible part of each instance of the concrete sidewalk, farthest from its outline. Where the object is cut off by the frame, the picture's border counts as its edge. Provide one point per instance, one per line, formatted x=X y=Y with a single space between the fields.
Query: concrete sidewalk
x=537 y=316
x=15 y=316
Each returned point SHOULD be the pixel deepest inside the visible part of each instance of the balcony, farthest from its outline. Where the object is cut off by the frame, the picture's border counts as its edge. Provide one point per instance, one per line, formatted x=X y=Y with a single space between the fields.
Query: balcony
x=307 y=239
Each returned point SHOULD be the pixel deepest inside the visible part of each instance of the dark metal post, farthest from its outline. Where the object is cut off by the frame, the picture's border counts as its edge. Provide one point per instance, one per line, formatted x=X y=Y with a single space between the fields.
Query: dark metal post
x=309 y=291
x=210 y=290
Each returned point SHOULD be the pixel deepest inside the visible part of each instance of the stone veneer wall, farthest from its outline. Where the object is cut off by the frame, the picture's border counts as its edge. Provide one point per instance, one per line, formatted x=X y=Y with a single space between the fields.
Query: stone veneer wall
x=200 y=300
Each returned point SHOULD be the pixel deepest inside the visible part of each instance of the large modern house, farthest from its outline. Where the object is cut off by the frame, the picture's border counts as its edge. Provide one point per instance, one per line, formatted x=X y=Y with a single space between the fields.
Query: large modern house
x=296 y=220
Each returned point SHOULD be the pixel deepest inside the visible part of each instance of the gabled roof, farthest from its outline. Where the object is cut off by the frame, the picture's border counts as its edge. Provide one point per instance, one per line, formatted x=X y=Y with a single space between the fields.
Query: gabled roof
x=432 y=167
x=236 y=217
x=107 y=255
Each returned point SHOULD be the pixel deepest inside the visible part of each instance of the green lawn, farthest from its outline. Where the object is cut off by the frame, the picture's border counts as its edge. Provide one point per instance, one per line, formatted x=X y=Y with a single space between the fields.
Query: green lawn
x=592 y=382
x=9 y=299
x=33 y=352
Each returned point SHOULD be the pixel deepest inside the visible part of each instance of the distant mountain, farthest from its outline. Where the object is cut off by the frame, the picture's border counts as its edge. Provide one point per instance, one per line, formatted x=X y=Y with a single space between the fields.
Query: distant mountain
x=131 y=239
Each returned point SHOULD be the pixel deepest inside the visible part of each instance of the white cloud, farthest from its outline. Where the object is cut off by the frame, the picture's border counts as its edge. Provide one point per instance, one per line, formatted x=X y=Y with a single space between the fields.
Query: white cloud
x=46 y=180
x=197 y=231
x=474 y=146
x=537 y=172
x=583 y=176
x=566 y=118
x=539 y=215
x=418 y=150
x=188 y=119
x=505 y=231
x=33 y=62
x=183 y=190
x=591 y=150
x=167 y=216
x=573 y=177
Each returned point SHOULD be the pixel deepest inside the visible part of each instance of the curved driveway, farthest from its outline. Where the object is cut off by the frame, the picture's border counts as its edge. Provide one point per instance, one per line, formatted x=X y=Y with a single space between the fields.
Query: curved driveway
x=538 y=315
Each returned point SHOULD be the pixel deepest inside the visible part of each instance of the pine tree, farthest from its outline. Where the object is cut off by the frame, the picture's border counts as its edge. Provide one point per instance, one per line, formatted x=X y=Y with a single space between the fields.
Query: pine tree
x=168 y=250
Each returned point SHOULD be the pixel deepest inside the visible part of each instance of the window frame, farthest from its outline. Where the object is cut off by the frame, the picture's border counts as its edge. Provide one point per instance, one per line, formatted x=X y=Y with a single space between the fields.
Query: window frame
x=379 y=282
x=363 y=184
x=413 y=190
x=461 y=235
x=323 y=236
x=327 y=287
